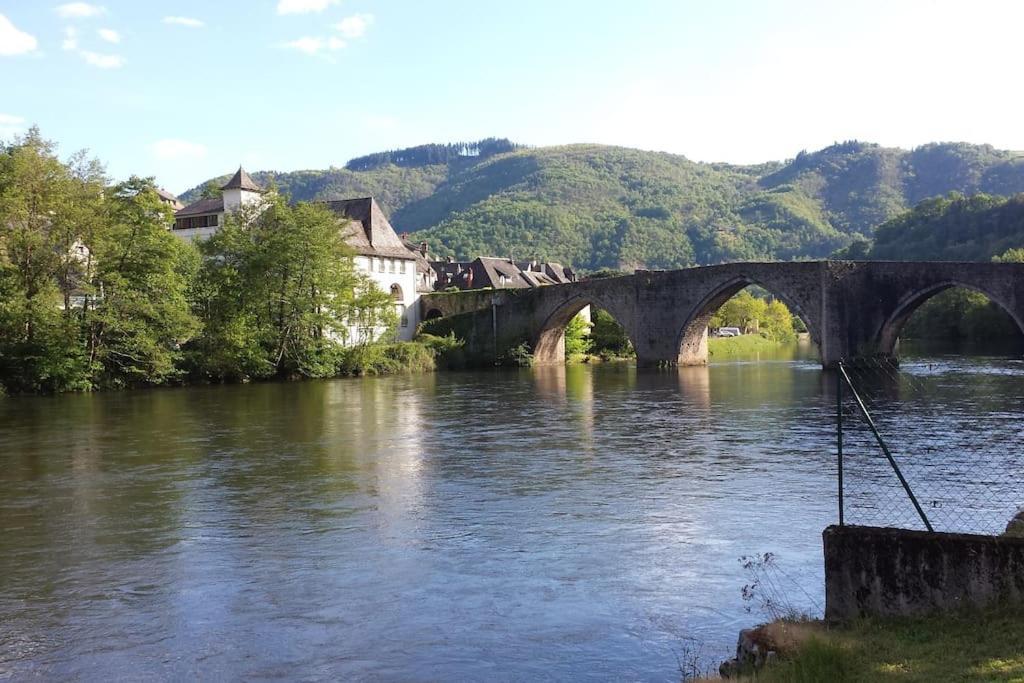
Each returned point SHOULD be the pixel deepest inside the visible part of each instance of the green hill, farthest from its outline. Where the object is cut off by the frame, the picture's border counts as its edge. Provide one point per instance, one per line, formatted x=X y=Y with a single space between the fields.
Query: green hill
x=953 y=228
x=596 y=206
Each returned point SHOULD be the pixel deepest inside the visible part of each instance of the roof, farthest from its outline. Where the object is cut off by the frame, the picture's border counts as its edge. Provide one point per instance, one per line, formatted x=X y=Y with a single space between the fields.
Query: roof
x=368 y=230
x=203 y=206
x=242 y=181
x=487 y=271
x=169 y=198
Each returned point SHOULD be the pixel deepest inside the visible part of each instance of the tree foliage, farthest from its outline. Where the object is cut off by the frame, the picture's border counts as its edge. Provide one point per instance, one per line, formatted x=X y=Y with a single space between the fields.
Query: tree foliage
x=769 y=317
x=279 y=292
x=96 y=292
x=92 y=283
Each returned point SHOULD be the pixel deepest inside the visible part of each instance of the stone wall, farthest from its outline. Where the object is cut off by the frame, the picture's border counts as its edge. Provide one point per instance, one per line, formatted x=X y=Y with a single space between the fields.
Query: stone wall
x=871 y=571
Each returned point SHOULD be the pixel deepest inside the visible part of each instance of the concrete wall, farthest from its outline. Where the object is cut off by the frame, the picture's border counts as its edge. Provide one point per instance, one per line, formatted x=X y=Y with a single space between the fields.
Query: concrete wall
x=871 y=571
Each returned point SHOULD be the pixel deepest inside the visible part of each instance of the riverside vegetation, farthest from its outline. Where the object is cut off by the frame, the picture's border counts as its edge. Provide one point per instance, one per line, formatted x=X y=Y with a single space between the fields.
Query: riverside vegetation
x=967 y=646
x=95 y=292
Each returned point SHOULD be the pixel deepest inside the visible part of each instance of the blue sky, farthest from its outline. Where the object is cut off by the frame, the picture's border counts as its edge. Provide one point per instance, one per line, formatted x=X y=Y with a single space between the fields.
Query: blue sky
x=187 y=89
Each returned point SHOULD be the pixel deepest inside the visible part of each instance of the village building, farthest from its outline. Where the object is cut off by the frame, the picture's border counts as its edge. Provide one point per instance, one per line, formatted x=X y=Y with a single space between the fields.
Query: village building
x=385 y=258
x=202 y=218
x=169 y=199
x=499 y=273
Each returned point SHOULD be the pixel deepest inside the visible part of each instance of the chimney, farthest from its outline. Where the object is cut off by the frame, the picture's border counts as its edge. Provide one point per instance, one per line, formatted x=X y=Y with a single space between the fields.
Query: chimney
x=450 y=259
x=423 y=249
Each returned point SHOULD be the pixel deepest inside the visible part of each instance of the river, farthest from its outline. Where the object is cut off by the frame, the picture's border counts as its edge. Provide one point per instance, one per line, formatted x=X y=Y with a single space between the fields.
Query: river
x=547 y=524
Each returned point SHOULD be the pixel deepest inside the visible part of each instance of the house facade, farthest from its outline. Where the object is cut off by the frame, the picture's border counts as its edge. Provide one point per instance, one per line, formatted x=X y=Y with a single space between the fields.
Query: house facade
x=385 y=258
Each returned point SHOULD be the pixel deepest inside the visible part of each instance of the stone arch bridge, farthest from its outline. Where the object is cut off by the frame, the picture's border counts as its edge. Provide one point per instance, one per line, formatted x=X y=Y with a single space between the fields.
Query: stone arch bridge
x=852 y=309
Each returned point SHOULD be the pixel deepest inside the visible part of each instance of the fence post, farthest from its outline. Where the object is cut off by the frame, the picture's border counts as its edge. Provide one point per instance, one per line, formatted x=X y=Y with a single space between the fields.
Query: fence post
x=839 y=437
x=885 y=449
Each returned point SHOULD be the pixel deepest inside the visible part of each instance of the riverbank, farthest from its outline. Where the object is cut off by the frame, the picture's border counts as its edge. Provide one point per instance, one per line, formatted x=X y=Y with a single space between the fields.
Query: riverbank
x=743 y=346
x=970 y=646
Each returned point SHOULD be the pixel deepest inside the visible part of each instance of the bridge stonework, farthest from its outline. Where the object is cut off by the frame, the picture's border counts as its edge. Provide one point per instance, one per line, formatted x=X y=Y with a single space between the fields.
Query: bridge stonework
x=852 y=309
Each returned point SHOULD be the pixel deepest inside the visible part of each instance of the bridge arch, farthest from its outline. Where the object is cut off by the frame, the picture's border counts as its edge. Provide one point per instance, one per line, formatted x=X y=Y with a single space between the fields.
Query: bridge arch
x=889 y=333
x=548 y=344
x=692 y=340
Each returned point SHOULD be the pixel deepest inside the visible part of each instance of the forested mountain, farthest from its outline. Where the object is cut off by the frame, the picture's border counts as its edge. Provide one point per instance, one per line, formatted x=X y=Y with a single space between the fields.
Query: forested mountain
x=595 y=206
x=952 y=228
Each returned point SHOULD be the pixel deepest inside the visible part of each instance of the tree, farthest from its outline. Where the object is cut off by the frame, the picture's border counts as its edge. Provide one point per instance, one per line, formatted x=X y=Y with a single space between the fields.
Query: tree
x=278 y=292
x=1010 y=256
x=577 y=337
x=138 y=314
x=48 y=213
x=609 y=338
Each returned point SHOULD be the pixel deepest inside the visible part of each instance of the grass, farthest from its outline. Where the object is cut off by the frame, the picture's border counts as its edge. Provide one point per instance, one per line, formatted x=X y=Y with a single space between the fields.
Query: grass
x=985 y=646
x=743 y=346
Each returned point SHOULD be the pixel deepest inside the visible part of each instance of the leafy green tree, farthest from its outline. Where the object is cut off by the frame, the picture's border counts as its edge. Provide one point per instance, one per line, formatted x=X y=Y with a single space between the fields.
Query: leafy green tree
x=772 y=319
x=577 y=337
x=277 y=292
x=1010 y=256
x=48 y=211
x=138 y=315
x=608 y=337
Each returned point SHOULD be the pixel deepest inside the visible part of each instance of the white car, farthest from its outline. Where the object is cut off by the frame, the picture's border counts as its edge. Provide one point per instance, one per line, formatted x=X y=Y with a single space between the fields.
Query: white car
x=729 y=332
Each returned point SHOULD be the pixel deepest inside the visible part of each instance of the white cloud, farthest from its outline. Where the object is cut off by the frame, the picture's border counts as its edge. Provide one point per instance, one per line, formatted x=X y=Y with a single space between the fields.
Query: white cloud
x=14 y=41
x=184 y=21
x=70 y=38
x=109 y=35
x=79 y=10
x=354 y=26
x=303 y=6
x=171 y=149
x=312 y=45
x=102 y=61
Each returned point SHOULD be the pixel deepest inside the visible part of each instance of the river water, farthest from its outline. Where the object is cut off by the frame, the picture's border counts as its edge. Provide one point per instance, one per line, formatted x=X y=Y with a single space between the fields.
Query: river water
x=556 y=523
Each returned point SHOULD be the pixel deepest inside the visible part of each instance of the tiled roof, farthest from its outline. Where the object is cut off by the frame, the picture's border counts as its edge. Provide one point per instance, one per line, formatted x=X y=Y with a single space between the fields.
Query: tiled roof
x=368 y=230
x=203 y=206
x=242 y=181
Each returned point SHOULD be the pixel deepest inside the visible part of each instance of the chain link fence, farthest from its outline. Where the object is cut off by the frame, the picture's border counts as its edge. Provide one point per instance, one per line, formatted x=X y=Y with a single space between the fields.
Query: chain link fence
x=955 y=434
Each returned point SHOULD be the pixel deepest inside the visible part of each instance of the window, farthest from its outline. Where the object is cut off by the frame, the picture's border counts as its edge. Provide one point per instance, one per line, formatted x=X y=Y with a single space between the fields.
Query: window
x=391 y=265
x=401 y=267
x=396 y=292
x=380 y=265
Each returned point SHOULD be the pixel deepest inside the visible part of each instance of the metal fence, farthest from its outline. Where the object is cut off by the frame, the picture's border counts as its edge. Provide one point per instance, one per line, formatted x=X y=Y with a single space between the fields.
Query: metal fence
x=918 y=448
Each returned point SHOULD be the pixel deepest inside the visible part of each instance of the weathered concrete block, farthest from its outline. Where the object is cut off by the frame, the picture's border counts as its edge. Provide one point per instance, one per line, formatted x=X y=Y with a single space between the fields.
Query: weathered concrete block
x=871 y=571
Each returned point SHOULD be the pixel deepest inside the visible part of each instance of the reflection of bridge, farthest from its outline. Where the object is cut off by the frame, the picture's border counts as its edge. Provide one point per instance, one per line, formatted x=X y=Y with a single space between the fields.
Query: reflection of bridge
x=852 y=309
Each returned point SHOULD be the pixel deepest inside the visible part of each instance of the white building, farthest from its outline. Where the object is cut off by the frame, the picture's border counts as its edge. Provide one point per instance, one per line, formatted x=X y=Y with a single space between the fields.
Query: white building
x=395 y=267
x=384 y=257
x=201 y=219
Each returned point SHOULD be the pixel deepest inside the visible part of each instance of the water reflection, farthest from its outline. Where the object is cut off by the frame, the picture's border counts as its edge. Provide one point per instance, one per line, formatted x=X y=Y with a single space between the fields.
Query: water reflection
x=559 y=522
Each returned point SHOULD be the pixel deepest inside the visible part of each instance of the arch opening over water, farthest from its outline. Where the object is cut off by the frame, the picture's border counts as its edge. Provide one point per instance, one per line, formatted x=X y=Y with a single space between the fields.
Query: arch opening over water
x=549 y=345
x=743 y=307
x=952 y=314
